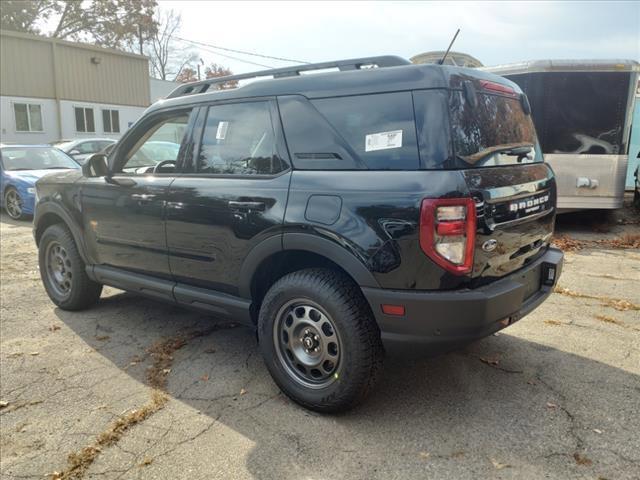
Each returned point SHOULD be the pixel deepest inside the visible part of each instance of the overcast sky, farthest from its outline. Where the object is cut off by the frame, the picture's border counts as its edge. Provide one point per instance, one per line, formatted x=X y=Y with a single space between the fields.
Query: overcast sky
x=493 y=32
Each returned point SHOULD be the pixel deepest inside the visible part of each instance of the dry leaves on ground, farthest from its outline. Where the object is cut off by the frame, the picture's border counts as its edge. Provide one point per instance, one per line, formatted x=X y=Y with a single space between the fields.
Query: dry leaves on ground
x=569 y=244
x=498 y=465
x=582 y=459
x=553 y=322
x=619 y=304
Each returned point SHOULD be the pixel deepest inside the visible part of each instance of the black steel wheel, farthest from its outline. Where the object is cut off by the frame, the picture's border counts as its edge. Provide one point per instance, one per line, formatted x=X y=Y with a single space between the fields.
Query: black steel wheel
x=63 y=271
x=307 y=343
x=319 y=339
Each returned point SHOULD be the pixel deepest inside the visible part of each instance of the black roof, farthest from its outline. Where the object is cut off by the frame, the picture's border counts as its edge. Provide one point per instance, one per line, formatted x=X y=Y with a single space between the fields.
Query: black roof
x=398 y=75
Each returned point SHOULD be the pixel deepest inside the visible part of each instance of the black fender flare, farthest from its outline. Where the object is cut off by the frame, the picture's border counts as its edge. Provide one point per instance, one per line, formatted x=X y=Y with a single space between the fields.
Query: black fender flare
x=329 y=249
x=73 y=226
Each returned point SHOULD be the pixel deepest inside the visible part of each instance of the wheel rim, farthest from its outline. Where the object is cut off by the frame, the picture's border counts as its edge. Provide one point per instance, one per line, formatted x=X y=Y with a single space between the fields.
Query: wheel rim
x=58 y=267
x=307 y=343
x=13 y=203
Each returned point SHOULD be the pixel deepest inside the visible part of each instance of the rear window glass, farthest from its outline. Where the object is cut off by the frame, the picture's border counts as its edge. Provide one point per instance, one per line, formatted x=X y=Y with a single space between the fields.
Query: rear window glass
x=494 y=132
x=379 y=128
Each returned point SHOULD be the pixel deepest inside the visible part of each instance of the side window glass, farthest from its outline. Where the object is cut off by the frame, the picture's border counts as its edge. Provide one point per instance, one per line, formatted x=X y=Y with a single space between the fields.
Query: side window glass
x=239 y=139
x=379 y=128
x=160 y=143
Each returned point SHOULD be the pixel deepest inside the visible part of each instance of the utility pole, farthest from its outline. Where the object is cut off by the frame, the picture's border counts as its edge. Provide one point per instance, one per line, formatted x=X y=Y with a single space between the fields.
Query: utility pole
x=140 y=38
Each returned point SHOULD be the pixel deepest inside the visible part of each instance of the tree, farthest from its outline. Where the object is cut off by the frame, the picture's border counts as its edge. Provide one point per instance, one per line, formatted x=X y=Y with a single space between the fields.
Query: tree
x=186 y=75
x=108 y=23
x=214 y=70
x=21 y=16
x=165 y=59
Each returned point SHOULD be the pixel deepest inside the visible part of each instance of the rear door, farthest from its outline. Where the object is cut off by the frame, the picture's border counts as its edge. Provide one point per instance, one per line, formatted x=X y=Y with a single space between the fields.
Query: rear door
x=231 y=197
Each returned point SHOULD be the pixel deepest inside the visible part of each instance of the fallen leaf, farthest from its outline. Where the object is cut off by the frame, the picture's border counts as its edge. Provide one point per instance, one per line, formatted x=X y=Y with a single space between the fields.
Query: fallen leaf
x=3 y=403
x=581 y=459
x=166 y=371
x=102 y=338
x=54 y=327
x=551 y=405
x=146 y=461
x=553 y=322
x=499 y=465
x=242 y=391
x=531 y=382
x=205 y=377
x=598 y=431
x=425 y=455
x=494 y=361
x=34 y=353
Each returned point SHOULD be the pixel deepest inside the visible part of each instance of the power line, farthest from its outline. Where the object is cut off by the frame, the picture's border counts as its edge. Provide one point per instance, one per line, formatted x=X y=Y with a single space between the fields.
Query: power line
x=243 y=52
x=235 y=58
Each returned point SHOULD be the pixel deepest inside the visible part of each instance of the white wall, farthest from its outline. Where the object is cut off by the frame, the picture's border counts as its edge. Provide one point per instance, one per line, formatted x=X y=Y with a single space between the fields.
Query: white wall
x=128 y=116
x=8 y=132
x=51 y=130
x=160 y=88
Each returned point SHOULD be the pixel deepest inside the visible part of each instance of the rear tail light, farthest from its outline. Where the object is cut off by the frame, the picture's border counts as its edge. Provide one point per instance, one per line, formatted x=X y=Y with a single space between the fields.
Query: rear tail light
x=448 y=232
x=496 y=87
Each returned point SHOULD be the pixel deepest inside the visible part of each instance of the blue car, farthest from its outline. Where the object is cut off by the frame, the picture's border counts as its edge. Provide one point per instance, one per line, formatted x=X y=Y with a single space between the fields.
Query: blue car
x=20 y=167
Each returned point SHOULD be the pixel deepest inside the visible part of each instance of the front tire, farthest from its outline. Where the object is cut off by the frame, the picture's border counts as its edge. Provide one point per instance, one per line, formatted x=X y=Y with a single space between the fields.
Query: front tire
x=319 y=340
x=63 y=271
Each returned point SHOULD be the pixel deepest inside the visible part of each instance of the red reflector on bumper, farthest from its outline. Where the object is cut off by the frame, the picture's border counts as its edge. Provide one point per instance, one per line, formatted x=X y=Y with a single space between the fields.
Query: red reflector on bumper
x=397 y=310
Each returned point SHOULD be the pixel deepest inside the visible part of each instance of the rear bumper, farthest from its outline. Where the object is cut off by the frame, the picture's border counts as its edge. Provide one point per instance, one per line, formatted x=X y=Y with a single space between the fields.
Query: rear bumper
x=440 y=317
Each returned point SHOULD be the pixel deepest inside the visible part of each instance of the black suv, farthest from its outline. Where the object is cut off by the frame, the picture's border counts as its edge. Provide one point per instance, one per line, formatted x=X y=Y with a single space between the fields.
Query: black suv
x=381 y=202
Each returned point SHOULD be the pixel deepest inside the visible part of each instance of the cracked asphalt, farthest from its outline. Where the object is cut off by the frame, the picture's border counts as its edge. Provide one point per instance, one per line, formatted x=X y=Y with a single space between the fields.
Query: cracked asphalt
x=556 y=395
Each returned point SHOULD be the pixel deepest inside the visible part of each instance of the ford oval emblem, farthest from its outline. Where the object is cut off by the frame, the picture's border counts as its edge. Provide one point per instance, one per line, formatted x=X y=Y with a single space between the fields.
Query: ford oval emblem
x=490 y=245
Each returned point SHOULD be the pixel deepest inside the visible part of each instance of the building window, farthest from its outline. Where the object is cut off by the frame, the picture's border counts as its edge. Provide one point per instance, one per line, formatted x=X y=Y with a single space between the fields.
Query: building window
x=28 y=117
x=84 y=120
x=111 y=121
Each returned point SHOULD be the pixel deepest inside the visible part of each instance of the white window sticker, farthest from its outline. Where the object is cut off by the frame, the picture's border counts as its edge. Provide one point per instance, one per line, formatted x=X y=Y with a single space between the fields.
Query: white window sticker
x=383 y=141
x=221 y=133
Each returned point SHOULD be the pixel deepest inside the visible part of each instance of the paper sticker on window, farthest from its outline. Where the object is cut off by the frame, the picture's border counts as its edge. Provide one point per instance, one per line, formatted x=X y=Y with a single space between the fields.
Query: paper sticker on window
x=221 y=133
x=383 y=141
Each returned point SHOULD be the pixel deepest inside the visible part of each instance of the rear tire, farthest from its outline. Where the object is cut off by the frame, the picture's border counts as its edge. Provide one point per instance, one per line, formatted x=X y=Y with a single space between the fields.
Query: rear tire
x=63 y=271
x=319 y=340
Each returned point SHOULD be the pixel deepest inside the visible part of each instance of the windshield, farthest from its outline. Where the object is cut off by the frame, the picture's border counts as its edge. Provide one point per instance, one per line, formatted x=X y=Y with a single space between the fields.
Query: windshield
x=35 y=158
x=495 y=132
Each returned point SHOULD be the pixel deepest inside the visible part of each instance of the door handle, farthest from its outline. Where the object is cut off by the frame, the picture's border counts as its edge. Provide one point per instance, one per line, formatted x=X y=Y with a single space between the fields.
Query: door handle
x=142 y=197
x=246 y=205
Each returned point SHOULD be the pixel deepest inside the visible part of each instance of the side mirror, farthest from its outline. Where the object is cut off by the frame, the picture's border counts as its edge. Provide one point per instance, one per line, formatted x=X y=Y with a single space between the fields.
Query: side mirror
x=96 y=166
x=75 y=151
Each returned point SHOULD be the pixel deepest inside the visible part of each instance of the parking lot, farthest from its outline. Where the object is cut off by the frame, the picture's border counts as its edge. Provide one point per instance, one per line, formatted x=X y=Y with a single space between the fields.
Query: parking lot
x=557 y=395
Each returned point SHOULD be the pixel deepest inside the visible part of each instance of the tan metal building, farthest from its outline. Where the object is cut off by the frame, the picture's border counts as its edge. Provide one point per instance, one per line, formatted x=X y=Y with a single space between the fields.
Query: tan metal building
x=453 y=58
x=52 y=89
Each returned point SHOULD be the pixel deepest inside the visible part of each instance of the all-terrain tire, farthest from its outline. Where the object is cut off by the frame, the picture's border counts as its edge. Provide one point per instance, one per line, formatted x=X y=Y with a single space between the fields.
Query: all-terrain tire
x=63 y=271
x=331 y=298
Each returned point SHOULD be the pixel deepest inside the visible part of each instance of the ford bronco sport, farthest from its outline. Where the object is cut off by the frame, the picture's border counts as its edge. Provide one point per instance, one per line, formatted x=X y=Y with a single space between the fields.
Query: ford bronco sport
x=382 y=202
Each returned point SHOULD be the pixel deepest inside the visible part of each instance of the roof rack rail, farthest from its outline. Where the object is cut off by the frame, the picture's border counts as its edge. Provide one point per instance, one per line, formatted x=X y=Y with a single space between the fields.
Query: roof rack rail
x=352 y=64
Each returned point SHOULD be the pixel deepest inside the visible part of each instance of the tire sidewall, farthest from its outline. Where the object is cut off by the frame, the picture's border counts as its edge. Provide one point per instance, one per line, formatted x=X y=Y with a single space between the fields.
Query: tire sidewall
x=352 y=364
x=58 y=234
